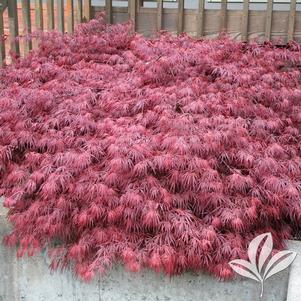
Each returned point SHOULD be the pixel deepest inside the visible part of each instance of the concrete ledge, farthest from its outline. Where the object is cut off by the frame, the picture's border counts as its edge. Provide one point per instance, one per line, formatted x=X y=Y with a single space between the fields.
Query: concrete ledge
x=294 y=283
x=29 y=279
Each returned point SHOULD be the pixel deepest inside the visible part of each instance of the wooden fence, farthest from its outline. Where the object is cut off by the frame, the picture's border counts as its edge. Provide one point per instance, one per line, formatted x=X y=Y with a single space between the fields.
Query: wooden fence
x=18 y=17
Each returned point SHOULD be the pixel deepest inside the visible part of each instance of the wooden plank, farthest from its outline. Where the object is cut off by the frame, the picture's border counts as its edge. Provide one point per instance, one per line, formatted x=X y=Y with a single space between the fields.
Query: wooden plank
x=223 y=12
x=291 y=21
x=39 y=14
x=87 y=10
x=3 y=5
x=109 y=11
x=13 y=25
x=60 y=16
x=70 y=16
x=2 y=42
x=180 y=16
x=200 y=19
x=50 y=14
x=268 y=23
x=79 y=11
x=159 y=15
x=132 y=12
x=256 y=25
x=245 y=21
x=26 y=24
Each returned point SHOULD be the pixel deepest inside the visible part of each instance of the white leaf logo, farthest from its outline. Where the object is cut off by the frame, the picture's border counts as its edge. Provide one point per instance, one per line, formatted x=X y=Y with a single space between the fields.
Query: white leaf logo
x=261 y=265
x=245 y=268
x=284 y=259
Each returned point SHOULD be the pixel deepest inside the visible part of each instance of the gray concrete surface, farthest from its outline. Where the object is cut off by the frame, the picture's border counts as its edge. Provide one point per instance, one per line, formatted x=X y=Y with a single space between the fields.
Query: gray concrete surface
x=294 y=283
x=29 y=279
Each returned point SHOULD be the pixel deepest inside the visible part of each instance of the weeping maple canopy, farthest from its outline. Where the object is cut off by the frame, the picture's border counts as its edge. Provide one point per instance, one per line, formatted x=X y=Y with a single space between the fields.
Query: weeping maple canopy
x=169 y=153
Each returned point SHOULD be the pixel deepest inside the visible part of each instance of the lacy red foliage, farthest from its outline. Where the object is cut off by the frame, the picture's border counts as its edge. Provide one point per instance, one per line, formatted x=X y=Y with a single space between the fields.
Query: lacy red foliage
x=169 y=153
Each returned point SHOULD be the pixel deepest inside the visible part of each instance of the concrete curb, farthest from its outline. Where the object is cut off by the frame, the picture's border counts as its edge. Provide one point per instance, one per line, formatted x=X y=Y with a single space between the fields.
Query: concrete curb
x=29 y=279
x=294 y=281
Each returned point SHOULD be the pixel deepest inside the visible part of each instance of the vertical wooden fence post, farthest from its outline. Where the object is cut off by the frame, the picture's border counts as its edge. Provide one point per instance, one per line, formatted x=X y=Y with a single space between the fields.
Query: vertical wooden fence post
x=245 y=22
x=60 y=16
x=180 y=16
x=79 y=11
x=132 y=12
x=268 y=23
x=200 y=19
x=39 y=14
x=223 y=24
x=87 y=10
x=109 y=11
x=26 y=25
x=50 y=14
x=70 y=16
x=291 y=21
x=13 y=25
x=2 y=42
x=159 y=14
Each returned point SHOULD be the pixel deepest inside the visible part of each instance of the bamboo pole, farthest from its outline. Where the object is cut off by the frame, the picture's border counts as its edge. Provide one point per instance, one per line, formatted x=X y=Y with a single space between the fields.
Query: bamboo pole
x=200 y=18
x=26 y=24
x=291 y=21
x=268 y=23
x=109 y=11
x=245 y=22
x=79 y=11
x=133 y=12
x=159 y=15
x=2 y=42
x=13 y=26
x=50 y=14
x=60 y=16
x=70 y=16
x=39 y=14
x=180 y=16
x=87 y=10
x=223 y=14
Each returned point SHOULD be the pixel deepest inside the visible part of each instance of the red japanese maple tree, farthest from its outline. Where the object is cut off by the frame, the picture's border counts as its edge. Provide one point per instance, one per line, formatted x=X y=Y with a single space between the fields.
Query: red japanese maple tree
x=169 y=153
